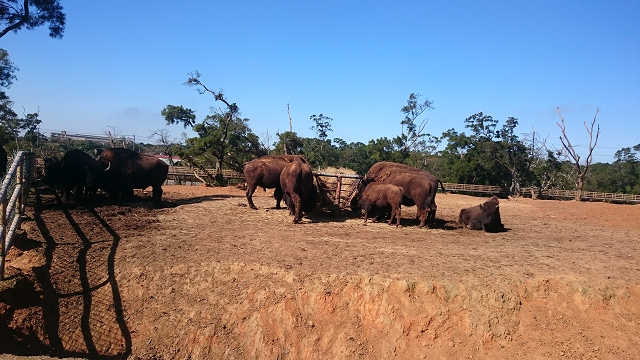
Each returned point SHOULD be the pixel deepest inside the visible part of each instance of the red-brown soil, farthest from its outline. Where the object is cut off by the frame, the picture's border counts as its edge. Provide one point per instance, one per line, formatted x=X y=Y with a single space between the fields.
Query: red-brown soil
x=205 y=277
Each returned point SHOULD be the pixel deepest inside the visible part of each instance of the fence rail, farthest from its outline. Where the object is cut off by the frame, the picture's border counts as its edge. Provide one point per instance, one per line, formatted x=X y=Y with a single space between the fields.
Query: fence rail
x=13 y=196
x=542 y=193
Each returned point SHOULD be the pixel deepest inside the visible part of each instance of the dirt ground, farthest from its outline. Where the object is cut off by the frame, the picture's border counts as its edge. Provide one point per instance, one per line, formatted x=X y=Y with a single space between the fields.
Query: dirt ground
x=206 y=277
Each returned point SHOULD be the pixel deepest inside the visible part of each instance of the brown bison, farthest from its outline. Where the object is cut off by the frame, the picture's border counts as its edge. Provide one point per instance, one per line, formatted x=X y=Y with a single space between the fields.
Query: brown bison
x=265 y=172
x=485 y=216
x=381 y=197
x=416 y=190
x=70 y=172
x=296 y=182
x=382 y=169
x=118 y=171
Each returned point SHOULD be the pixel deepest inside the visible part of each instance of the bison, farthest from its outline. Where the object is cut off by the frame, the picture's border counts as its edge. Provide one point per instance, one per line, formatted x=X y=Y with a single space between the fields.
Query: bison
x=70 y=172
x=296 y=182
x=485 y=216
x=382 y=196
x=416 y=190
x=382 y=169
x=118 y=171
x=265 y=172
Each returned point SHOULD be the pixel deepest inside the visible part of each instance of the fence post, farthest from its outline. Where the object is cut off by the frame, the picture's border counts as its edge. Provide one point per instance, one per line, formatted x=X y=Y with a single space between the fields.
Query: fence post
x=3 y=238
x=338 y=190
x=20 y=181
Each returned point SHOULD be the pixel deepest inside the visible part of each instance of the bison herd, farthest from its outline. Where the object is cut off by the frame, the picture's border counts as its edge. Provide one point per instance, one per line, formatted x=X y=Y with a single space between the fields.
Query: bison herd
x=383 y=190
x=117 y=171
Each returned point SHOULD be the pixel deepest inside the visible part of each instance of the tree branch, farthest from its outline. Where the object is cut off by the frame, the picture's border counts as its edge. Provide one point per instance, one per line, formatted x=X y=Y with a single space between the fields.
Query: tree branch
x=23 y=19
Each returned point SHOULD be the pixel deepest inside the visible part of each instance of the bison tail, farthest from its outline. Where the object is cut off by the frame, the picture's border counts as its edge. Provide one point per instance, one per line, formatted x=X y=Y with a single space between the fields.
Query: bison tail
x=442 y=186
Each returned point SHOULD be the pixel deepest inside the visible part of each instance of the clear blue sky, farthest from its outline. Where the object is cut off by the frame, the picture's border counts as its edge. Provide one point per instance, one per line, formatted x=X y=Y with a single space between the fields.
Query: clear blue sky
x=121 y=62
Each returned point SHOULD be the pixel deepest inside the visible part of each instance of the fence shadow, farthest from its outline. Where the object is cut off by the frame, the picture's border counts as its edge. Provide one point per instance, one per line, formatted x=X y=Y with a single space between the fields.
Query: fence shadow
x=81 y=304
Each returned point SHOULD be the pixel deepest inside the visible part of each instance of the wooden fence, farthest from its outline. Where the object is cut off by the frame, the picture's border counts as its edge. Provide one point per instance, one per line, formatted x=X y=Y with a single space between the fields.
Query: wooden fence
x=543 y=193
x=181 y=174
x=13 y=196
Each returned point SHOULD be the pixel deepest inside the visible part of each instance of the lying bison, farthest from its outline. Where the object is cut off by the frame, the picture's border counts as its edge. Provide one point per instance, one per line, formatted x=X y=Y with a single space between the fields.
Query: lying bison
x=382 y=169
x=118 y=171
x=296 y=181
x=381 y=197
x=265 y=172
x=70 y=173
x=485 y=216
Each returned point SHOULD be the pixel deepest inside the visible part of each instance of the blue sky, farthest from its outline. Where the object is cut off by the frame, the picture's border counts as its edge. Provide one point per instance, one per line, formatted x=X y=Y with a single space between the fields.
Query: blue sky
x=121 y=62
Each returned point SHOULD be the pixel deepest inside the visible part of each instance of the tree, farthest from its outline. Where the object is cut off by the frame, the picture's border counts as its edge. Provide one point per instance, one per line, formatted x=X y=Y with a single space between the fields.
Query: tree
x=12 y=126
x=289 y=143
x=30 y=14
x=322 y=126
x=517 y=156
x=570 y=153
x=167 y=144
x=223 y=119
x=178 y=115
x=224 y=138
x=412 y=111
x=7 y=70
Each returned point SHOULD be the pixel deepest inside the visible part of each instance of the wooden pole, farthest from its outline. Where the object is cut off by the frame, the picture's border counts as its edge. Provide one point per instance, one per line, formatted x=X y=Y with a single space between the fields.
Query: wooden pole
x=338 y=190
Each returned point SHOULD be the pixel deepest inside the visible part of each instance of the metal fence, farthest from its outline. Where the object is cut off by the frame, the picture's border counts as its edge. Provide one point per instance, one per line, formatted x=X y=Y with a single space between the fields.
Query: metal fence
x=13 y=196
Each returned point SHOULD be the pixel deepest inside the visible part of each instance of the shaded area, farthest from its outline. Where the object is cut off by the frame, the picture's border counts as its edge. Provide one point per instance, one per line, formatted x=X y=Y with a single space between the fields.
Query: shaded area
x=74 y=289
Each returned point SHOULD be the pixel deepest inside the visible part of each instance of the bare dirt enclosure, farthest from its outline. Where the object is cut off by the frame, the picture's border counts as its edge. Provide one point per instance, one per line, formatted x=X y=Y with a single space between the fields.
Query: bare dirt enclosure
x=206 y=277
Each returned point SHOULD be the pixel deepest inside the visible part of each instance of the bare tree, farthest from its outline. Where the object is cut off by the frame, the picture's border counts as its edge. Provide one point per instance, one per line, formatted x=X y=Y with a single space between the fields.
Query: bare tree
x=114 y=135
x=167 y=143
x=571 y=154
x=266 y=142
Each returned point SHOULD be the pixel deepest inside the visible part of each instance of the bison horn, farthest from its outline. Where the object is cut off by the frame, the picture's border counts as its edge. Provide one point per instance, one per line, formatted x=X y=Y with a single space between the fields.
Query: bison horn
x=108 y=167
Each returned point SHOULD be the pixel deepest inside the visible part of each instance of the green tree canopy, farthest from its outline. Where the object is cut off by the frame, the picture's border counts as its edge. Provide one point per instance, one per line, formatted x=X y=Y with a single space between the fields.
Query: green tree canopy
x=30 y=14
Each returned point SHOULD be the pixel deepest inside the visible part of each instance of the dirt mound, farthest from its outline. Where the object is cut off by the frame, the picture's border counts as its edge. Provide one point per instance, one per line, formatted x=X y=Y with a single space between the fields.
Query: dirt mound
x=206 y=277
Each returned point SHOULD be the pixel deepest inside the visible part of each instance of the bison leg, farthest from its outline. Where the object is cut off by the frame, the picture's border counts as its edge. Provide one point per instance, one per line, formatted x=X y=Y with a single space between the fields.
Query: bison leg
x=366 y=214
x=432 y=214
x=127 y=195
x=395 y=212
x=278 y=194
x=250 y=190
x=288 y=203
x=296 y=201
x=157 y=194
x=423 y=213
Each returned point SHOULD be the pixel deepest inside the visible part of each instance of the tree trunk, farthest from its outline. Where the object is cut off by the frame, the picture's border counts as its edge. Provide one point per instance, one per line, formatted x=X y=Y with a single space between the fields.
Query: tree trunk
x=515 y=184
x=219 y=177
x=580 y=185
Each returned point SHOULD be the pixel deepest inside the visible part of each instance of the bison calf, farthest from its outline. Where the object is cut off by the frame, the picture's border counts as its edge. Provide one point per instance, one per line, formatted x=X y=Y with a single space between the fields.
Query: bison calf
x=381 y=196
x=485 y=216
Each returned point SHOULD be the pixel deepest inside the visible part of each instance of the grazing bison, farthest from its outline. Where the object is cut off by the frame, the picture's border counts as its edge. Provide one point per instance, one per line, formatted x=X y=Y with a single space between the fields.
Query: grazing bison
x=381 y=197
x=70 y=172
x=296 y=182
x=416 y=190
x=118 y=171
x=265 y=172
x=485 y=216
x=382 y=169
